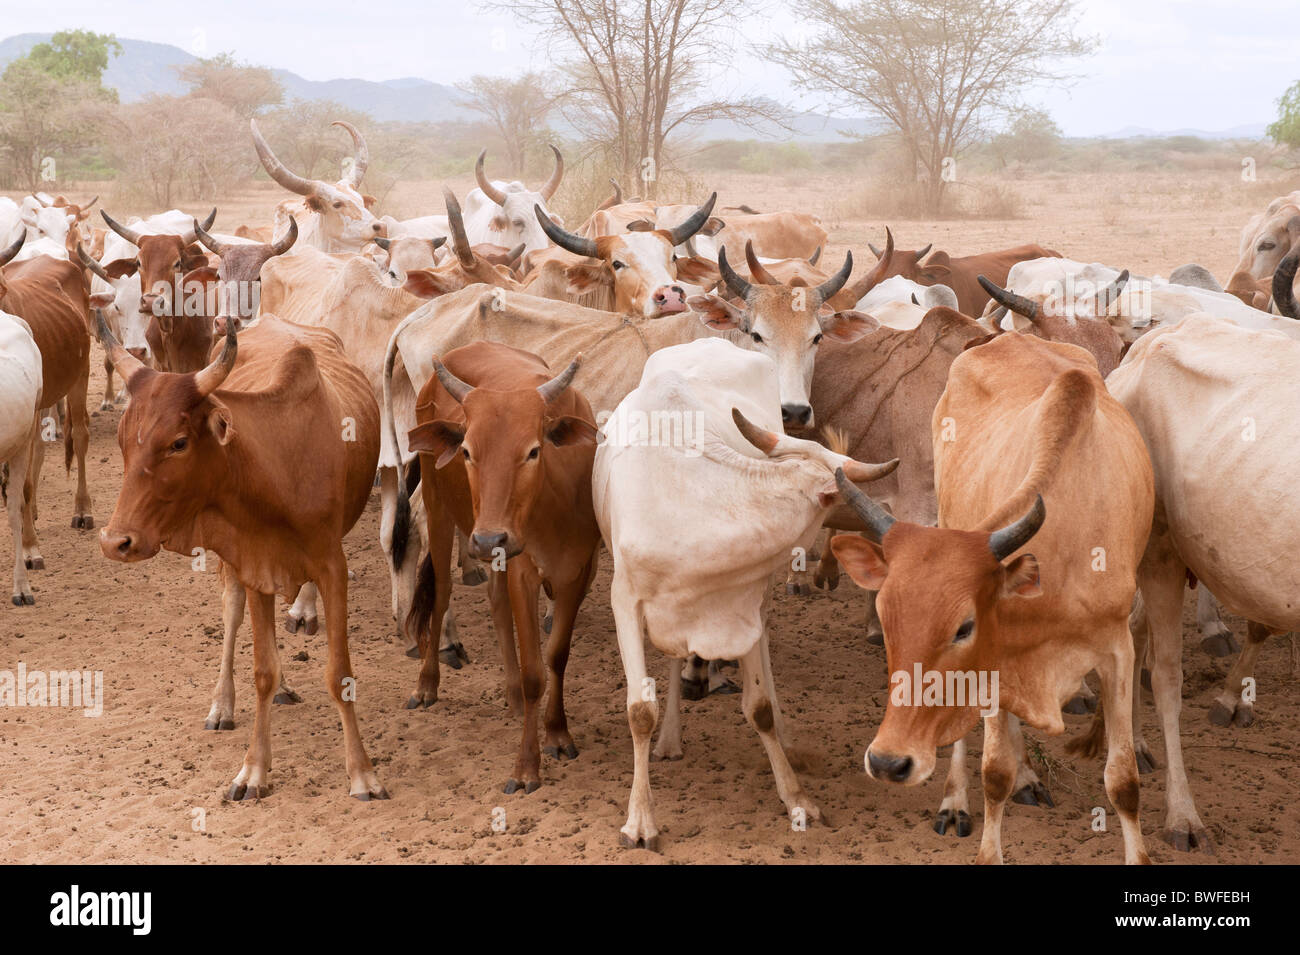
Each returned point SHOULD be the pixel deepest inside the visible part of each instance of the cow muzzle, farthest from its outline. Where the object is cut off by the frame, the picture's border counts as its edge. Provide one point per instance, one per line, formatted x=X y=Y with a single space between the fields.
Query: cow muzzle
x=796 y=415
x=491 y=545
x=669 y=300
x=126 y=547
x=888 y=767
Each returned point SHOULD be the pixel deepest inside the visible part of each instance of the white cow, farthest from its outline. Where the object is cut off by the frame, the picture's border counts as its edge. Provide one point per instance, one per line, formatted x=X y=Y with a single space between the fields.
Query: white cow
x=20 y=393
x=898 y=302
x=1213 y=399
x=502 y=212
x=699 y=518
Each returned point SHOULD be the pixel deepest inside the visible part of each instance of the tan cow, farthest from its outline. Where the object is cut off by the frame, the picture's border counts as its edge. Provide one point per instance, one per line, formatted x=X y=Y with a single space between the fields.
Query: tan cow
x=1028 y=445
x=203 y=460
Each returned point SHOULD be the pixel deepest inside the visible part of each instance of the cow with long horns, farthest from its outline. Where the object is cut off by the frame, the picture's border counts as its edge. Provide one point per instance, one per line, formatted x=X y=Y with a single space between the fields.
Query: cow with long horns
x=502 y=212
x=332 y=217
x=203 y=468
x=506 y=449
x=1028 y=446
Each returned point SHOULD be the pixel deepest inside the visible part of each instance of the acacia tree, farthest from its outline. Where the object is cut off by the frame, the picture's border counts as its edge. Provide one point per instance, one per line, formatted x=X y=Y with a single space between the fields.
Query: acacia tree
x=517 y=109
x=245 y=89
x=1286 y=129
x=635 y=72
x=939 y=72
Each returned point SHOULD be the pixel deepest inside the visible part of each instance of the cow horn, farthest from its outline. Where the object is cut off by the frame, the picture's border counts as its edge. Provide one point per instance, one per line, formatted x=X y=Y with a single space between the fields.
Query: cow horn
x=1283 y=279
x=1005 y=541
x=210 y=378
x=756 y=269
x=124 y=363
x=694 y=224
x=578 y=245
x=14 y=249
x=769 y=441
x=489 y=190
x=874 y=250
x=287 y=240
x=383 y=243
x=129 y=234
x=836 y=281
x=189 y=237
x=84 y=211
x=1016 y=303
x=455 y=387
x=921 y=253
x=618 y=192
x=438 y=242
x=734 y=282
x=360 y=152
x=815 y=257
x=215 y=246
x=513 y=255
x=456 y=223
x=1110 y=294
x=276 y=169
x=877 y=520
x=555 y=387
x=91 y=264
x=557 y=174
x=869 y=281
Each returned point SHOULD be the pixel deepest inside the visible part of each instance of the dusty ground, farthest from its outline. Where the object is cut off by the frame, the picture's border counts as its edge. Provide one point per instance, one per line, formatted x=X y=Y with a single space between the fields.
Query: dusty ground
x=132 y=784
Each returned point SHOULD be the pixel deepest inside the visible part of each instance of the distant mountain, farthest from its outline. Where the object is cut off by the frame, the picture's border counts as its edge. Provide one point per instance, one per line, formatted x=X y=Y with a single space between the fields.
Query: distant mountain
x=1248 y=131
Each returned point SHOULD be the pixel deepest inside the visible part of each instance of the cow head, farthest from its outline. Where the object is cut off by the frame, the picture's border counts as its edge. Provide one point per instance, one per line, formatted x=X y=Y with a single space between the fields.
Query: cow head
x=513 y=222
x=404 y=254
x=120 y=306
x=806 y=272
x=907 y=263
x=787 y=323
x=44 y=220
x=336 y=216
x=639 y=265
x=465 y=267
x=1277 y=234
x=173 y=436
x=502 y=443
x=160 y=259
x=5 y=258
x=235 y=285
x=1087 y=321
x=939 y=591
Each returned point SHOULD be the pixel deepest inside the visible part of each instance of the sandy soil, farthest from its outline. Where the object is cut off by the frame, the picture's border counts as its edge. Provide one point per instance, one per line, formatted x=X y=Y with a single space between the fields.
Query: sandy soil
x=144 y=781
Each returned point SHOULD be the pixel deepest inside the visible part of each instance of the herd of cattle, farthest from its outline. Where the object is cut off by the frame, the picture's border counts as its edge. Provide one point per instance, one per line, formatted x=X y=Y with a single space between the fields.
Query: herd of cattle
x=690 y=386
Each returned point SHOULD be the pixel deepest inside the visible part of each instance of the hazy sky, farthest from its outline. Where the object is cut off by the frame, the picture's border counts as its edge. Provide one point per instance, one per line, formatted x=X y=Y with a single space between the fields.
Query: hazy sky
x=1165 y=64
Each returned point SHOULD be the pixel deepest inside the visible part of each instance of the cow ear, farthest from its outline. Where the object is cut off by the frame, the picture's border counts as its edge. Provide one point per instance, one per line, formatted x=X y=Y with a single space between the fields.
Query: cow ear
x=862 y=559
x=712 y=226
x=315 y=203
x=697 y=271
x=640 y=225
x=498 y=223
x=717 y=312
x=937 y=274
x=102 y=299
x=570 y=431
x=192 y=257
x=848 y=326
x=369 y=201
x=586 y=276
x=201 y=275
x=120 y=267
x=441 y=438
x=428 y=283
x=220 y=424
x=1021 y=577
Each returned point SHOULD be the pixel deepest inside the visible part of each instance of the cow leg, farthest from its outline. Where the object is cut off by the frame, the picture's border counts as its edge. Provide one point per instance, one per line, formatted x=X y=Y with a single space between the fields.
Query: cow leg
x=1028 y=790
x=32 y=485
x=450 y=650
x=106 y=403
x=233 y=600
x=15 y=506
x=642 y=714
x=363 y=781
x=998 y=770
x=472 y=570
x=1160 y=576
x=669 y=744
x=1121 y=774
x=1139 y=629
x=758 y=700
x=1231 y=707
x=79 y=428
x=1216 y=639
x=954 y=811
x=302 y=615
x=718 y=681
x=503 y=625
x=828 y=570
x=559 y=743
x=22 y=487
x=252 y=782
x=438 y=567
x=524 y=583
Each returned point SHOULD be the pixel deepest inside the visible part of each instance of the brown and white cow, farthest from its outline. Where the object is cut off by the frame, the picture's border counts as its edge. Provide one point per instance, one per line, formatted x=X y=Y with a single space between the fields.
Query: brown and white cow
x=506 y=450
x=1028 y=445
x=161 y=259
x=203 y=467
x=961 y=273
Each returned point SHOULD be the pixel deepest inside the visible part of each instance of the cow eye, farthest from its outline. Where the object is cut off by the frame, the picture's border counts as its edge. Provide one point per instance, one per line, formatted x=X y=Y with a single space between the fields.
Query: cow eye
x=1266 y=244
x=817 y=339
x=964 y=631
x=338 y=205
x=464 y=452
x=757 y=337
x=532 y=455
x=617 y=265
x=179 y=445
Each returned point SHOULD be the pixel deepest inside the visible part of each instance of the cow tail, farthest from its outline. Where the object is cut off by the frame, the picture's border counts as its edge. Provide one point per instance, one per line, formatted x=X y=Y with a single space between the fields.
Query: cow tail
x=401 y=527
x=419 y=618
x=402 y=517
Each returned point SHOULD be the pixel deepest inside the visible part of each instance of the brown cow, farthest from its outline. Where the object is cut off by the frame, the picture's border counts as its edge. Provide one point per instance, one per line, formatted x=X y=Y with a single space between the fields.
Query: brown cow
x=50 y=296
x=961 y=273
x=1028 y=445
x=203 y=467
x=161 y=260
x=506 y=453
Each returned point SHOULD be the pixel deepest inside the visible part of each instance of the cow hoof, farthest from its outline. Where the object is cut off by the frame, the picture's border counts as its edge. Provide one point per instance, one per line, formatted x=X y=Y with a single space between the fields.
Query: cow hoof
x=35 y=563
x=1242 y=714
x=413 y=652
x=422 y=699
x=24 y=600
x=83 y=522
x=876 y=638
x=827 y=583
x=226 y=724
x=661 y=757
x=473 y=576
x=1220 y=645
x=958 y=820
x=454 y=656
x=725 y=688
x=241 y=792
x=648 y=842
x=1146 y=762
x=1033 y=794
x=368 y=794
x=513 y=786
x=106 y=405
x=1080 y=705
x=286 y=695
x=561 y=753
x=1186 y=837
x=292 y=624
x=799 y=590
x=694 y=689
